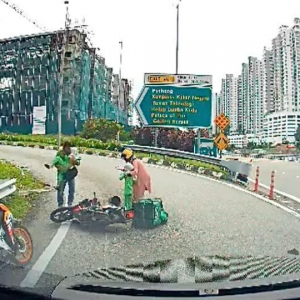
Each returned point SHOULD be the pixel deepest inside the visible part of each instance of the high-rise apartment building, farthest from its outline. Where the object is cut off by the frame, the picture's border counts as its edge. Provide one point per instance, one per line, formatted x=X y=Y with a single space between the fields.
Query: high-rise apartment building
x=268 y=81
x=251 y=94
x=244 y=100
x=295 y=48
x=240 y=107
x=267 y=92
x=283 y=69
x=258 y=99
x=228 y=101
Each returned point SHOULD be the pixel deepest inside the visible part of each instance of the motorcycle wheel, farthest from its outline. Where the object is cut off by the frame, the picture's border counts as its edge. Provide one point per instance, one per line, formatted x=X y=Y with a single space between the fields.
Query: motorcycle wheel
x=61 y=214
x=24 y=246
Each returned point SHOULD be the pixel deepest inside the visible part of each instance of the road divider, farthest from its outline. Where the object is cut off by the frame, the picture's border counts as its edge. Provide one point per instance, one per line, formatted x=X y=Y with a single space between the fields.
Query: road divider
x=271 y=194
x=262 y=188
x=256 y=180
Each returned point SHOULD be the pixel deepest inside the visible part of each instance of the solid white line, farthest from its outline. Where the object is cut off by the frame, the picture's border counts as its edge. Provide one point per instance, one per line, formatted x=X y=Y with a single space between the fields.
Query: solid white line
x=39 y=267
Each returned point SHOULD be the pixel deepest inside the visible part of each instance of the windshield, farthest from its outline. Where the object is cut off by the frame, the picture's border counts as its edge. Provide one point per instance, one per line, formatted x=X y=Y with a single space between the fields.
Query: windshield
x=104 y=164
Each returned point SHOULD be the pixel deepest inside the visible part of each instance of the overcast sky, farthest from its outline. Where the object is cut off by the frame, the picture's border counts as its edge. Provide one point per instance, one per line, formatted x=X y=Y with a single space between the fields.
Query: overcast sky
x=216 y=36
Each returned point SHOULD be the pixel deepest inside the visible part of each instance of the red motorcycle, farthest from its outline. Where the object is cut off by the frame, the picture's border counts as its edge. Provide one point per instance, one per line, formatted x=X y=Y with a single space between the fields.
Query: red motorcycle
x=90 y=211
x=15 y=241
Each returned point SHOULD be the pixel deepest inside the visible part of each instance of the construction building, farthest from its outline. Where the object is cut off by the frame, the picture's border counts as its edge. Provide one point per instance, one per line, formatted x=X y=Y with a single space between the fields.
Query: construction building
x=29 y=79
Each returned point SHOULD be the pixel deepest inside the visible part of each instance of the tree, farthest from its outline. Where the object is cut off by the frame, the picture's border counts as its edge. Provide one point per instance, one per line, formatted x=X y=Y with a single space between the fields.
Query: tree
x=285 y=141
x=231 y=147
x=101 y=129
x=251 y=145
x=297 y=136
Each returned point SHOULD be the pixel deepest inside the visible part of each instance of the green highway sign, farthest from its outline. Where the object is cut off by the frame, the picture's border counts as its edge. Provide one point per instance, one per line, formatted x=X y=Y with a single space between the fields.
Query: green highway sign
x=175 y=106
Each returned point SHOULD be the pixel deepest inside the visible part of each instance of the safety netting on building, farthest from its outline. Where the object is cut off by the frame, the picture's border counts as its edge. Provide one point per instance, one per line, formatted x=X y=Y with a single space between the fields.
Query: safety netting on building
x=28 y=71
x=29 y=77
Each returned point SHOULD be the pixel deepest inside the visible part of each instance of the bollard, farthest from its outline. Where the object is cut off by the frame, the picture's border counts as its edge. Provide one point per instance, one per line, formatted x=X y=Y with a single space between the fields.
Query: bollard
x=271 y=194
x=256 y=180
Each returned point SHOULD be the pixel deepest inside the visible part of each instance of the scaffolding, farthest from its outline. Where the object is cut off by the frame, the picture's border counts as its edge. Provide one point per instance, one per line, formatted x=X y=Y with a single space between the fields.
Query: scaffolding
x=29 y=75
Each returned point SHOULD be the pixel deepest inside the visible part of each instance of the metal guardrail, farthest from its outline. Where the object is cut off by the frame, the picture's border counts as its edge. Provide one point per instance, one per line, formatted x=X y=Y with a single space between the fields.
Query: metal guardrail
x=175 y=153
x=7 y=187
x=233 y=166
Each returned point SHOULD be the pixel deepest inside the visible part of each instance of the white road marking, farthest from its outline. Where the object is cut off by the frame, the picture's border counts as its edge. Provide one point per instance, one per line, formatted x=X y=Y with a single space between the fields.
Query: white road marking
x=283 y=173
x=39 y=267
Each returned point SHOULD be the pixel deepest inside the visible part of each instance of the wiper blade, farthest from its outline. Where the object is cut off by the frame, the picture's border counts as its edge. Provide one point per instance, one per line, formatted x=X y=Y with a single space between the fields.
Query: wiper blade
x=123 y=291
x=160 y=291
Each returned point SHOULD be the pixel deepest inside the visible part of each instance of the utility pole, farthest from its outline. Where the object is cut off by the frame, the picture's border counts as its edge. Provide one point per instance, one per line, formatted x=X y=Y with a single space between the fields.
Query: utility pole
x=61 y=71
x=120 y=88
x=120 y=82
x=177 y=36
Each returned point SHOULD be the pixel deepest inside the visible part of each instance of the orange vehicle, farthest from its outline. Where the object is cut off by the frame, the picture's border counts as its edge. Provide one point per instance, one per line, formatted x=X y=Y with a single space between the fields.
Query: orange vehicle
x=15 y=240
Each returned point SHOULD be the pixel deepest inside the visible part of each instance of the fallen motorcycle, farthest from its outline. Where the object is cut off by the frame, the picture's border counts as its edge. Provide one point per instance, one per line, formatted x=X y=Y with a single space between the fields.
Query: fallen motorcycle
x=15 y=241
x=91 y=211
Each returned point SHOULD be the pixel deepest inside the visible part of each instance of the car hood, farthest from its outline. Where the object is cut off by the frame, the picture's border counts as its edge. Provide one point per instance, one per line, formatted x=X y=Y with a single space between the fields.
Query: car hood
x=199 y=269
x=189 y=276
x=194 y=273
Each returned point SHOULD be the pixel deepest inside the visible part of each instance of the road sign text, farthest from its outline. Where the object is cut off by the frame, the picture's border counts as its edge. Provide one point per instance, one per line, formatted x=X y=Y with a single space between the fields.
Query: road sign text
x=175 y=106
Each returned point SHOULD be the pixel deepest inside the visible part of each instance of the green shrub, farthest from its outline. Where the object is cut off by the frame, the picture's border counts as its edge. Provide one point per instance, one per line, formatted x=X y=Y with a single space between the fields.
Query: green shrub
x=90 y=152
x=167 y=162
x=101 y=129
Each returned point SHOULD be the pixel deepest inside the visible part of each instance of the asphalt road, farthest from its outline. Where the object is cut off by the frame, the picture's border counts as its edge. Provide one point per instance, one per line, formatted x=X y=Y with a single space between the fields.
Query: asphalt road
x=287 y=174
x=205 y=218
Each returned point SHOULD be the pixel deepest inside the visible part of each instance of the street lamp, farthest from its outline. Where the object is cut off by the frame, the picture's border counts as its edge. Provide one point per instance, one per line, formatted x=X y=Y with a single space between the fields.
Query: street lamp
x=120 y=90
x=61 y=79
x=120 y=82
x=177 y=36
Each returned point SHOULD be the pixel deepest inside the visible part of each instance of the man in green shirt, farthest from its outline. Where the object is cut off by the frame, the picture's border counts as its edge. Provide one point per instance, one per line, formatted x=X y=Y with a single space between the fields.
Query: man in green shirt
x=64 y=162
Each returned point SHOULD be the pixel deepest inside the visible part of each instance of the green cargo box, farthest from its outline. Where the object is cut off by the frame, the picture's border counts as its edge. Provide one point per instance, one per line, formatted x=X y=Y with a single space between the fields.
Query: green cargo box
x=149 y=213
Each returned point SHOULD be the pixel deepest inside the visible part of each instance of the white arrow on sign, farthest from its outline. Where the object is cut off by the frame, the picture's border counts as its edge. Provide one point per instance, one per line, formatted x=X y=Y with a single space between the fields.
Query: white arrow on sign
x=138 y=104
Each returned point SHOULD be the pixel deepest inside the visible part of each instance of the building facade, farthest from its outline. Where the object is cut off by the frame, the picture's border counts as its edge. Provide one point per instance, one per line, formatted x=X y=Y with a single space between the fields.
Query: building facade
x=244 y=99
x=268 y=81
x=227 y=101
x=30 y=69
x=267 y=100
x=281 y=125
x=258 y=99
x=240 y=106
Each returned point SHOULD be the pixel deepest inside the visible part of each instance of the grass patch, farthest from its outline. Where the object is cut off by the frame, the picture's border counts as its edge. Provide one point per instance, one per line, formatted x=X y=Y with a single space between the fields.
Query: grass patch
x=20 y=205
